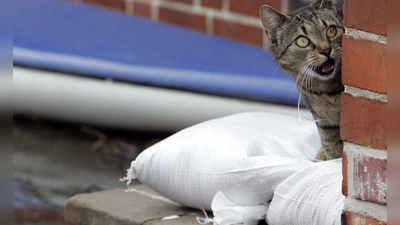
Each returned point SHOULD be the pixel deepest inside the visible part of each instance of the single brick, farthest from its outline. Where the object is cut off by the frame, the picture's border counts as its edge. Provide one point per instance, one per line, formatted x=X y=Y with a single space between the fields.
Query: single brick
x=251 y=7
x=185 y=19
x=217 y=4
x=248 y=34
x=182 y=1
x=364 y=64
x=142 y=9
x=363 y=121
x=117 y=207
x=115 y=4
x=345 y=190
x=366 y=15
x=370 y=179
x=350 y=218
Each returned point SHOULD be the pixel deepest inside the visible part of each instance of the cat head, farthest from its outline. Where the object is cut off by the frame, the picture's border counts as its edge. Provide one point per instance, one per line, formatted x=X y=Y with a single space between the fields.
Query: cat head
x=307 y=41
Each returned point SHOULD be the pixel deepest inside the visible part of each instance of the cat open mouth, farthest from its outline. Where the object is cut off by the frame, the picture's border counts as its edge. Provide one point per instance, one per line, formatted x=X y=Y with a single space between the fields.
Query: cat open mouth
x=325 y=68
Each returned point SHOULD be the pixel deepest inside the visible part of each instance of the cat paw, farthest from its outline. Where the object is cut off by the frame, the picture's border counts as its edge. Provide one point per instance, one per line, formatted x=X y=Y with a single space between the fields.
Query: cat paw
x=321 y=156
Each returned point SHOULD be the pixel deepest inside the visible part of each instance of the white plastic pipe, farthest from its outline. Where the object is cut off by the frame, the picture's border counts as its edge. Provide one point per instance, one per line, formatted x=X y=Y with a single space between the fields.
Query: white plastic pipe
x=123 y=105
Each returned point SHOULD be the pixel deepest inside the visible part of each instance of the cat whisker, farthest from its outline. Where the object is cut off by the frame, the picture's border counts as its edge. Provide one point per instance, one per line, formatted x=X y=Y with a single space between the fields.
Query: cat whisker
x=304 y=76
x=301 y=73
x=274 y=71
x=298 y=78
x=306 y=73
x=310 y=77
x=298 y=108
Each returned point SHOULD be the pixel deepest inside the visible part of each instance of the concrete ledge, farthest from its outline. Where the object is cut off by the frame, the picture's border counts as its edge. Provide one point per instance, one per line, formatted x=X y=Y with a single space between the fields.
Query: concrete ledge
x=118 y=207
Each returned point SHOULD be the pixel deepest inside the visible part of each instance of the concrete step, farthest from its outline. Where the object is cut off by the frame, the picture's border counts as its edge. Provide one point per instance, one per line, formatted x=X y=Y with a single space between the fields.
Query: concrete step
x=140 y=205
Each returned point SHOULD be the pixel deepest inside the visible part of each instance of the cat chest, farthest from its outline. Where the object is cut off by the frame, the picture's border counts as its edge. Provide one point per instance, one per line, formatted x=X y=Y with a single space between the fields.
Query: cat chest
x=324 y=105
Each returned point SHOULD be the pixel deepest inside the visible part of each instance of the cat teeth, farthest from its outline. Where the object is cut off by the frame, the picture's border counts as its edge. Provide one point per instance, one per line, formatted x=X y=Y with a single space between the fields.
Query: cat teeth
x=326 y=70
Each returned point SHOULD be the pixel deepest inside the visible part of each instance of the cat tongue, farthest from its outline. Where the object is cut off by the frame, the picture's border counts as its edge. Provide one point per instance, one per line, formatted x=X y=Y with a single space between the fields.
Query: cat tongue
x=326 y=66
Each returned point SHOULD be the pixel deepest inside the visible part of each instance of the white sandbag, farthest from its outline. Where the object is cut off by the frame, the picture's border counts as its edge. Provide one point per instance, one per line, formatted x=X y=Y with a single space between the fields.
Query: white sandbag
x=244 y=156
x=310 y=196
x=227 y=212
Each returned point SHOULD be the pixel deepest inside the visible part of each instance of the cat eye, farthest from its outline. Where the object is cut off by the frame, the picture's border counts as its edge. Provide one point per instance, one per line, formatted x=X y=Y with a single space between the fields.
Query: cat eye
x=331 y=32
x=302 y=42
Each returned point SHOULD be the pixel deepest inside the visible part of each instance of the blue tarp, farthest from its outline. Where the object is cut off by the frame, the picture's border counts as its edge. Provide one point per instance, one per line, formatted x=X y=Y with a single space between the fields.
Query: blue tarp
x=95 y=42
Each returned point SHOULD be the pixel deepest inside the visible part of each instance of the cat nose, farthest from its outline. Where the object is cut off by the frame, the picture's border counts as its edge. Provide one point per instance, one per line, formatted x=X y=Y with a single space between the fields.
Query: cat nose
x=326 y=52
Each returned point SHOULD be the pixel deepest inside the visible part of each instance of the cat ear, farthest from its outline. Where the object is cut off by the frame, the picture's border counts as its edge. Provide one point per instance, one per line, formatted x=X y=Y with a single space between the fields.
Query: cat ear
x=271 y=19
x=320 y=4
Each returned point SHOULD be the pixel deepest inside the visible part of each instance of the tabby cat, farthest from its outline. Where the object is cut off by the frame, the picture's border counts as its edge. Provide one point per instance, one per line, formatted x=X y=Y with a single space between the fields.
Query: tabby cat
x=307 y=45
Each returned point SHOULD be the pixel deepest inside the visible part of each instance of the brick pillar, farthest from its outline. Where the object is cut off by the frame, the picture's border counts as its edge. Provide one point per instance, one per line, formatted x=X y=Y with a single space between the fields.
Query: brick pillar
x=364 y=112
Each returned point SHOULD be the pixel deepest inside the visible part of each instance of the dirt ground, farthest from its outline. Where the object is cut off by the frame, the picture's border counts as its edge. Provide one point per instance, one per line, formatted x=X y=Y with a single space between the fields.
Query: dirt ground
x=53 y=161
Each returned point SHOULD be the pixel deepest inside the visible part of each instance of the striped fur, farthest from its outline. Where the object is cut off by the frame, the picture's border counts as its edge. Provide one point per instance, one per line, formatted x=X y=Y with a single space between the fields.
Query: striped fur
x=307 y=45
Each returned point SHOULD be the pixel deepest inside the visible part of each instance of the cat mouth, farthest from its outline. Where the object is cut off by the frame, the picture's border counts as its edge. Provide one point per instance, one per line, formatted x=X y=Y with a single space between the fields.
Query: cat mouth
x=325 y=68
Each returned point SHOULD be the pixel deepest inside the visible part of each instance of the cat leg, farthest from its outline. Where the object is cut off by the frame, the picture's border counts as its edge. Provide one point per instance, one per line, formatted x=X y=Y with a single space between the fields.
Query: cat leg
x=334 y=150
x=332 y=145
x=321 y=155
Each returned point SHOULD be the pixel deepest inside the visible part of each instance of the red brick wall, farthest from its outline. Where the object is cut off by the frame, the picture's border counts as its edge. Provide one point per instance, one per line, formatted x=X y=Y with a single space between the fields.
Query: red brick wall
x=364 y=112
x=233 y=19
